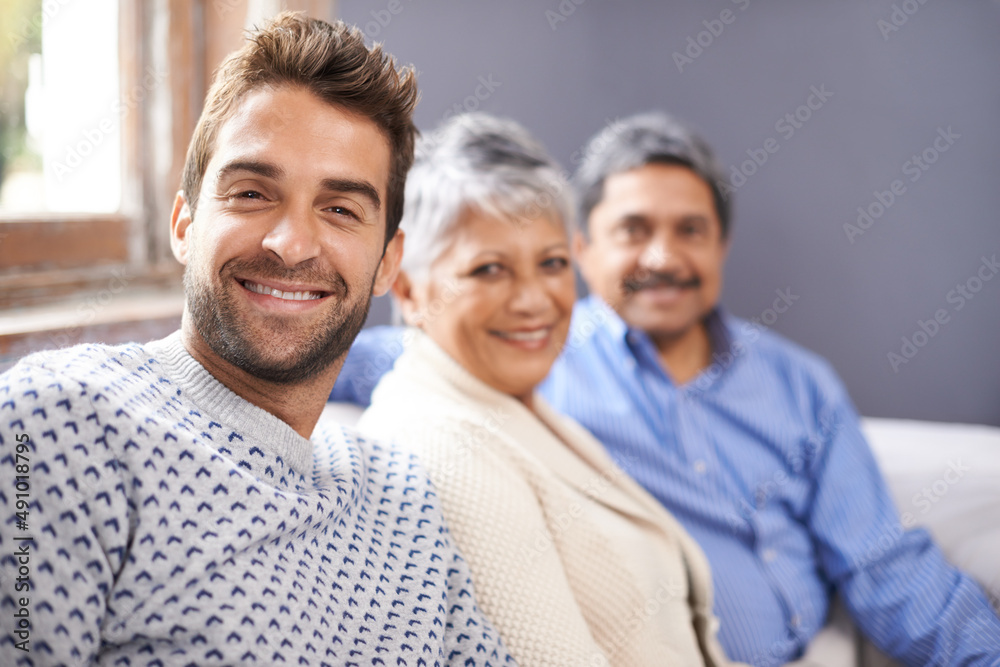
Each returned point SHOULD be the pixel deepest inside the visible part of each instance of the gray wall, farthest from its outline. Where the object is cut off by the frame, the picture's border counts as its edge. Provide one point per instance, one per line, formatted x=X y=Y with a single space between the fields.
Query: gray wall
x=892 y=91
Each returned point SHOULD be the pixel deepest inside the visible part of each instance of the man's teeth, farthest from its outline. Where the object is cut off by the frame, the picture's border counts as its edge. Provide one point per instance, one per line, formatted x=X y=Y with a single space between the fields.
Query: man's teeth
x=290 y=296
x=536 y=335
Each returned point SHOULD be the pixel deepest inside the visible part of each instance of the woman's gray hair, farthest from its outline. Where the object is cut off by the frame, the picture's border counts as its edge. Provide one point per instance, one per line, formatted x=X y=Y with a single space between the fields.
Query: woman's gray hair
x=648 y=138
x=479 y=163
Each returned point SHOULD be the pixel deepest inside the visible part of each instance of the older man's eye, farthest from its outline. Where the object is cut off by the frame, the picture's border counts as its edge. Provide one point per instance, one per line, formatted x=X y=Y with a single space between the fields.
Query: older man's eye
x=555 y=264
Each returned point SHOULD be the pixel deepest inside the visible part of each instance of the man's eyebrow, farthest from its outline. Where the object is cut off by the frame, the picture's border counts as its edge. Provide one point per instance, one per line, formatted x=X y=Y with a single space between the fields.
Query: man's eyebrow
x=265 y=169
x=363 y=188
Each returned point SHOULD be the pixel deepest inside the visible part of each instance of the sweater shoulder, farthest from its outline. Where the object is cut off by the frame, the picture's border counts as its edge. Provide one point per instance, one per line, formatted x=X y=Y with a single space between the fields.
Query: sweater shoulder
x=100 y=368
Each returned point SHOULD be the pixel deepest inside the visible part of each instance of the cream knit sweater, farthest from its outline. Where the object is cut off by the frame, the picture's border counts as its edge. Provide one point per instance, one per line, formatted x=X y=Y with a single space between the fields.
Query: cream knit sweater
x=573 y=561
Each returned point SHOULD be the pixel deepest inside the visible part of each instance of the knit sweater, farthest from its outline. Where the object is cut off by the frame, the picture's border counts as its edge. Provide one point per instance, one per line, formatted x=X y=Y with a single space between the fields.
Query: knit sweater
x=171 y=522
x=574 y=562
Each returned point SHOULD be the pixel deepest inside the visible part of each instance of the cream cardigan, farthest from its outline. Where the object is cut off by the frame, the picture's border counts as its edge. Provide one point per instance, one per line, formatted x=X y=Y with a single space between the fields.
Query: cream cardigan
x=541 y=524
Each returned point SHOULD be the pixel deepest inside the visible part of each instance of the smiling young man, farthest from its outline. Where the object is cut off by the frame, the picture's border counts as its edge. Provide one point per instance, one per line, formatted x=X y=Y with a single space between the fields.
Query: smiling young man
x=749 y=440
x=179 y=512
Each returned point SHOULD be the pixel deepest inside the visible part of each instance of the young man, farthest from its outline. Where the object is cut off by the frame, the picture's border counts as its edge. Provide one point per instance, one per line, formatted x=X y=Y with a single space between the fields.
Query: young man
x=162 y=503
x=751 y=441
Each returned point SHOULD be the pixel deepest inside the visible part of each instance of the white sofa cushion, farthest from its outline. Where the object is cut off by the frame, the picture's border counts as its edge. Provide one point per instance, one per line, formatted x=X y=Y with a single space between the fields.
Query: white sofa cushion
x=946 y=477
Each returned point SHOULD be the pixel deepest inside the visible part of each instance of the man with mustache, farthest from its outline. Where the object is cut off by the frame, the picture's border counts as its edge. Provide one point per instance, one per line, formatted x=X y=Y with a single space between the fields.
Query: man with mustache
x=749 y=440
x=164 y=503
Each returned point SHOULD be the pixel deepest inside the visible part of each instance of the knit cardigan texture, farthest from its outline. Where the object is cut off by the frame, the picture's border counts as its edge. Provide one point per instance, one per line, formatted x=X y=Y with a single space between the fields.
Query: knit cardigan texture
x=171 y=522
x=536 y=527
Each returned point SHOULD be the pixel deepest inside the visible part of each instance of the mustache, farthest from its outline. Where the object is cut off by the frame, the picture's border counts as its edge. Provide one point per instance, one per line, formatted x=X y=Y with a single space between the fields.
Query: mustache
x=264 y=267
x=649 y=279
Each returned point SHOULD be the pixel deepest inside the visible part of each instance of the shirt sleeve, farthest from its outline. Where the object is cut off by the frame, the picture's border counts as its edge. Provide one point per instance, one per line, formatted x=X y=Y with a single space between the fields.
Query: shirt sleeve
x=56 y=453
x=372 y=355
x=896 y=583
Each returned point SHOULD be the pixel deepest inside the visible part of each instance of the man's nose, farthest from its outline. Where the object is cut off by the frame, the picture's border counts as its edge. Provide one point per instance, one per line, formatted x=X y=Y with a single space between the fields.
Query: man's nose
x=295 y=236
x=659 y=254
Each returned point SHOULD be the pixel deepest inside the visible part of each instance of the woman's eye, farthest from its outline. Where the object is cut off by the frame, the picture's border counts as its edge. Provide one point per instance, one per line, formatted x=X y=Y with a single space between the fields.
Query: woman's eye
x=487 y=270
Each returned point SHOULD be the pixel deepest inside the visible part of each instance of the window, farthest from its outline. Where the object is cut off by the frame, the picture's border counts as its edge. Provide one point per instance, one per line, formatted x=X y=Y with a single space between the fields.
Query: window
x=99 y=100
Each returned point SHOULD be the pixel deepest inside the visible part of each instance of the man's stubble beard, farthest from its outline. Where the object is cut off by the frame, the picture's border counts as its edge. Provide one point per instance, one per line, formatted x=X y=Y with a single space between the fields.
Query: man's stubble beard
x=216 y=319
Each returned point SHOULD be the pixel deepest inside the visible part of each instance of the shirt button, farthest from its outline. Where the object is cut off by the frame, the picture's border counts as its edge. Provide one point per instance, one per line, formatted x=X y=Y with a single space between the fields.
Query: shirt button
x=769 y=555
x=795 y=621
x=700 y=467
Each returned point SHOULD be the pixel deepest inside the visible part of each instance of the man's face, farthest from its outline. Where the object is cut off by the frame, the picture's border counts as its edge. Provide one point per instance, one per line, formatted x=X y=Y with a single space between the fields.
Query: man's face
x=283 y=253
x=656 y=250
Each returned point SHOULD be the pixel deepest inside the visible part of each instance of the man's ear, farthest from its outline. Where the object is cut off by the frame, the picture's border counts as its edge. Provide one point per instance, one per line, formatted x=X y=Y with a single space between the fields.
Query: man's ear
x=403 y=291
x=180 y=227
x=385 y=275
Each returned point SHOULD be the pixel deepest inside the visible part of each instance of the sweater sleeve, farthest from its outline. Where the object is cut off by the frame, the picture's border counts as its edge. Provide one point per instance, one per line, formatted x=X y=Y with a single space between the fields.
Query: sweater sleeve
x=59 y=550
x=500 y=528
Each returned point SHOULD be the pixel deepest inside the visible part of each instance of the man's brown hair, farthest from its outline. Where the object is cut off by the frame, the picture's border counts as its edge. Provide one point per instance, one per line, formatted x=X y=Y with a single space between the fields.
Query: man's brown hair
x=331 y=61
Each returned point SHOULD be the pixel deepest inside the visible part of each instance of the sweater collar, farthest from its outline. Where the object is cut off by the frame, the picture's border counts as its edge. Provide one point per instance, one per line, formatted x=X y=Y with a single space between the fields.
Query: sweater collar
x=255 y=425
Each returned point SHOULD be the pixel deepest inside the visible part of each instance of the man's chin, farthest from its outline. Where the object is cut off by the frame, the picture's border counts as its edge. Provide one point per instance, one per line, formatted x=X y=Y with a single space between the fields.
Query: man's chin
x=664 y=328
x=282 y=367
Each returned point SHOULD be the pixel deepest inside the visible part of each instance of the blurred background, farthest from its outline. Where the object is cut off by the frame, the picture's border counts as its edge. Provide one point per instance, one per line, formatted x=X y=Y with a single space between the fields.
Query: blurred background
x=860 y=140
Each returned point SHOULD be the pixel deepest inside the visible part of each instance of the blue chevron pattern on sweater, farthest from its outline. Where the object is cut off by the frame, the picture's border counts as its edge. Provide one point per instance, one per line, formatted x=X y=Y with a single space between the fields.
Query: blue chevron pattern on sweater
x=173 y=523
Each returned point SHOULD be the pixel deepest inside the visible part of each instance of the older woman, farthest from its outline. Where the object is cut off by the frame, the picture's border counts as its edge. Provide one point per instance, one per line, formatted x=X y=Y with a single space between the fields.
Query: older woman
x=575 y=563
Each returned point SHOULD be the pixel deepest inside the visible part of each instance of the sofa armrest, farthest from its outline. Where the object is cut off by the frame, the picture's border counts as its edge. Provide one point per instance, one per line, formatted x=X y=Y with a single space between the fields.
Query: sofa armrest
x=946 y=478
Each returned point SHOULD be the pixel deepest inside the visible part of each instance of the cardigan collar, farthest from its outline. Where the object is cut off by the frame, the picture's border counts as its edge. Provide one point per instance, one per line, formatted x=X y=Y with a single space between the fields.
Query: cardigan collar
x=552 y=440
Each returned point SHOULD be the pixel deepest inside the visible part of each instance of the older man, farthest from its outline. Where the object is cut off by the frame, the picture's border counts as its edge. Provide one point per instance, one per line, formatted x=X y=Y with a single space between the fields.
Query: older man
x=751 y=441
x=163 y=503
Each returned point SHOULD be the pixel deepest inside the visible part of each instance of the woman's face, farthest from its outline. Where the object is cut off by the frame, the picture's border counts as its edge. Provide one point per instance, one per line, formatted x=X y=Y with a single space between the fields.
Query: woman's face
x=499 y=300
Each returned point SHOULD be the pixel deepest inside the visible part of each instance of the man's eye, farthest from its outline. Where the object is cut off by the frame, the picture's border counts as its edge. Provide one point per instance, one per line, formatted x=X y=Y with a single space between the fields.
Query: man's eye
x=633 y=230
x=341 y=210
x=250 y=194
x=555 y=264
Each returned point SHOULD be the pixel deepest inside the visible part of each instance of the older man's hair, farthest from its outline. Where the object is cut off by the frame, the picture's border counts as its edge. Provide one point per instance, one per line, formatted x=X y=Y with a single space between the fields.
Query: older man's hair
x=333 y=63
x=480 y=165
x=647 y=138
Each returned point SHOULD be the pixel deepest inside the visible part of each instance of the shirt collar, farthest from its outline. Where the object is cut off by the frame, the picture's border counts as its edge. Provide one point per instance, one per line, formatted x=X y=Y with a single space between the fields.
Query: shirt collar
x=719 y=323
x=721 y=326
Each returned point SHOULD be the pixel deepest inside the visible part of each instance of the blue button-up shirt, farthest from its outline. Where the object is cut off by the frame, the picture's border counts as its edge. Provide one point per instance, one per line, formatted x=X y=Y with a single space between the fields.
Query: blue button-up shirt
x=762 y=459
